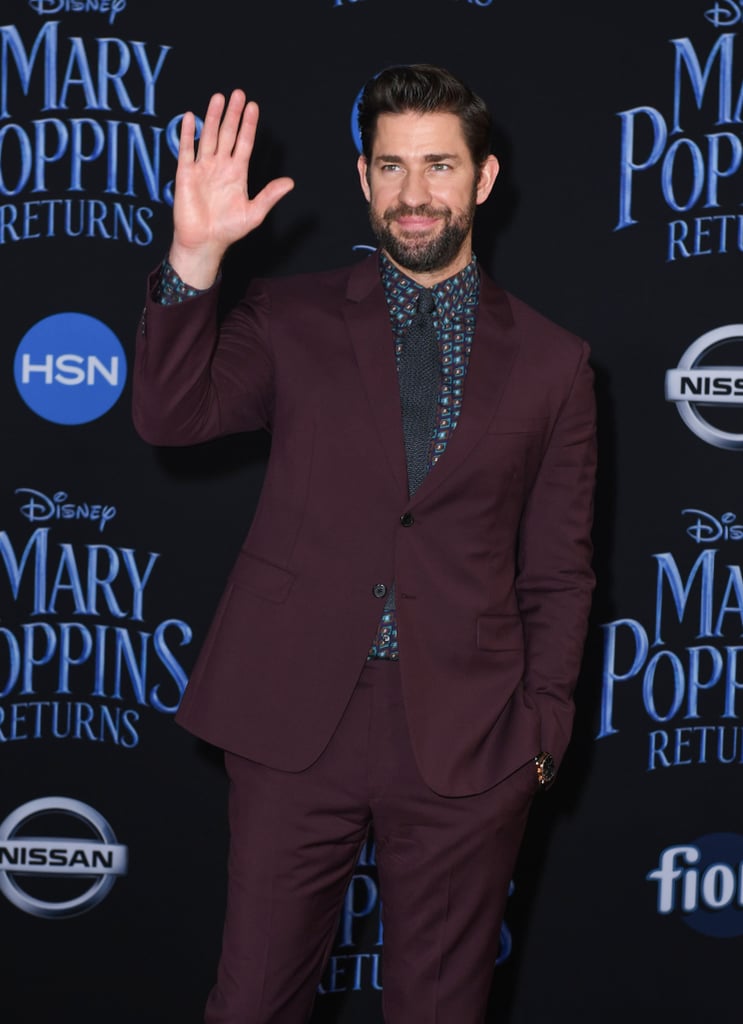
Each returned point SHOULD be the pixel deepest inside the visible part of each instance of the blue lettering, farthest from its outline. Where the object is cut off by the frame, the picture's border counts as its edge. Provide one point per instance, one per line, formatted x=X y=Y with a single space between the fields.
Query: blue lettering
x=629 y=163
x=668 y=572
x=639 y=641
x=686 y=59
x=167 y=659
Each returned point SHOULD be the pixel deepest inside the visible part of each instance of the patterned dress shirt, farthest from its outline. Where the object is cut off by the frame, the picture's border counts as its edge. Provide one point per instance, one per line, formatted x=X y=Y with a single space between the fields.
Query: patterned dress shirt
x=455 y=312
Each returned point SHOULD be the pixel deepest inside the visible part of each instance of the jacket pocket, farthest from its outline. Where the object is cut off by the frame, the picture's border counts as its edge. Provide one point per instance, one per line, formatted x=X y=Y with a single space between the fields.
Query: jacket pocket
x=500 y=633
x=263 y=579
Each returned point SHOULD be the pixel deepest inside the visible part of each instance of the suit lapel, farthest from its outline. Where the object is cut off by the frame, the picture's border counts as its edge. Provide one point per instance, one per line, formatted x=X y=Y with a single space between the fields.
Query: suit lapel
x=368 y=321
x=491 y=358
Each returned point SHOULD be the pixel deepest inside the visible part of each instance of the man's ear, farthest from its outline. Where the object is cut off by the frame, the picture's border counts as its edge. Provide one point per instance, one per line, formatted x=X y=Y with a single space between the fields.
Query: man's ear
x=488 y=174
x=363 y=169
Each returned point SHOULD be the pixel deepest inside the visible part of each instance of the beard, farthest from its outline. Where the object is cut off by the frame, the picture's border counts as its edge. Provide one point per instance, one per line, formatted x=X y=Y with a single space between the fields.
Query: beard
x=427 y=254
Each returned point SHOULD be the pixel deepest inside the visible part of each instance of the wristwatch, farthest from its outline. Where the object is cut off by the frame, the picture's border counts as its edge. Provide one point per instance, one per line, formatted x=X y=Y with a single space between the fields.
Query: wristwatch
x=546 y=769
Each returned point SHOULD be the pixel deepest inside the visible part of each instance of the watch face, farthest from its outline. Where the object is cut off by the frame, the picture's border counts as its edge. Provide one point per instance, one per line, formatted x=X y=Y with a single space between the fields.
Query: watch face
x=546 y=768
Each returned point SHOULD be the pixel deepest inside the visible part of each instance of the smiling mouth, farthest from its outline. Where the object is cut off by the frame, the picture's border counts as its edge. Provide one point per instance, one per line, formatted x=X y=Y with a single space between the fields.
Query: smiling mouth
x=416 y=225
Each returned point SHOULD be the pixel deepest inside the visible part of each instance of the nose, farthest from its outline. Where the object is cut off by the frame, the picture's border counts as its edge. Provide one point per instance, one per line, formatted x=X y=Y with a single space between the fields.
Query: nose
x=415 y=190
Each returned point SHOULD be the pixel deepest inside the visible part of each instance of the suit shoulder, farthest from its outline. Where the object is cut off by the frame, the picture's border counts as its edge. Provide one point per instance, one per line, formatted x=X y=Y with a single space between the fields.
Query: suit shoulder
x=316 y=284
x=536 y=328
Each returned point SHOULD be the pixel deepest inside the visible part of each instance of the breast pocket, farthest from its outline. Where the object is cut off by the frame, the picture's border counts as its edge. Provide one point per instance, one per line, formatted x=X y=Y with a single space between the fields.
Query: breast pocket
x=517 y=444
x=518 y=425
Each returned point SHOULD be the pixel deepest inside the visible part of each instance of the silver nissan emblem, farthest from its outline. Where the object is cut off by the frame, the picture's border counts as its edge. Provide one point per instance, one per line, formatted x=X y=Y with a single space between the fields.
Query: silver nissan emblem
x=694 y=386
x=96 y=860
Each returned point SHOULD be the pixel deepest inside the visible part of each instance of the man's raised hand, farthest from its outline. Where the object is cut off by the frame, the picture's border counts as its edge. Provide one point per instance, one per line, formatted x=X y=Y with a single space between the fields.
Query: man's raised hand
x=212 y=207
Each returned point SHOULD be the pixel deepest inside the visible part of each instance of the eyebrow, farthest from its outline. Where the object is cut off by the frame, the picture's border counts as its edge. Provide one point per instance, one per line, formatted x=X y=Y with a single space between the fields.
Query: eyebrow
x=429 y=158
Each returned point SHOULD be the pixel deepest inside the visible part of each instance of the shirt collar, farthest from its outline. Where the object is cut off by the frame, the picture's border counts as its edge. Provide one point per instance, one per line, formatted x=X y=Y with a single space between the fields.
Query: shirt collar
x=451 y=296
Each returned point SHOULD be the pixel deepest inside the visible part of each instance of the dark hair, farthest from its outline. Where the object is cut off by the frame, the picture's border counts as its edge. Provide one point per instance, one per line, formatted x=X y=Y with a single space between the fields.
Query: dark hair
x=424 y=89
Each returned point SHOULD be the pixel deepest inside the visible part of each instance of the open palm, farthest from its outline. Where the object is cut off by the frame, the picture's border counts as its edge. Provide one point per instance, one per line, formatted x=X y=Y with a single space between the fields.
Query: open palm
x=212 y=207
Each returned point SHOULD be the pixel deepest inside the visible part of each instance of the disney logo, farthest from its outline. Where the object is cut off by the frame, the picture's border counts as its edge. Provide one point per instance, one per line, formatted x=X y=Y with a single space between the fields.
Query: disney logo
x=707 y=529
x=109 y=7
x=39 y=508
x=724 y=13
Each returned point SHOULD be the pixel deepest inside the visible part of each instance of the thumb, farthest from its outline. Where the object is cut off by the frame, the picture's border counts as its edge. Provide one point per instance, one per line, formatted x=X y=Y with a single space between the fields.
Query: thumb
x=264 y=201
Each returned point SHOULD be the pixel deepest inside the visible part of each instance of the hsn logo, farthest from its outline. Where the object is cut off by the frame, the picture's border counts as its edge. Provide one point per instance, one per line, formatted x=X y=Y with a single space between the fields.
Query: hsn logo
x=70 y=368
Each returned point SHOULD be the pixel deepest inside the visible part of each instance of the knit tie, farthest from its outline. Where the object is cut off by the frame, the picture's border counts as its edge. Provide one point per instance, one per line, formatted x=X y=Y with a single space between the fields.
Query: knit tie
x=418 y=373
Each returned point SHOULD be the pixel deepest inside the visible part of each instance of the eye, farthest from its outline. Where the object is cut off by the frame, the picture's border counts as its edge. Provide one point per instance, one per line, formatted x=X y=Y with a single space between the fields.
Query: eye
x=389 y=167
x=440 y=167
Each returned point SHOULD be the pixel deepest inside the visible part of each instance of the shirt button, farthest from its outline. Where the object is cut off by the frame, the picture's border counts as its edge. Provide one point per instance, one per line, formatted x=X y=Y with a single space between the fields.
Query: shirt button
x=407 y=519
x=379 y=590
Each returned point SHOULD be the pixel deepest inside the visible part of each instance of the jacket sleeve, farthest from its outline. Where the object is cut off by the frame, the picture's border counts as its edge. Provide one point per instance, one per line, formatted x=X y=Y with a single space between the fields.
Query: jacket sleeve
x=555 y=579
x=194 y=379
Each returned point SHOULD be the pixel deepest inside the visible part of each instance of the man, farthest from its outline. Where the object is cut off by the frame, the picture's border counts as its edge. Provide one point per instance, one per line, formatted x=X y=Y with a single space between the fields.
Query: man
x=399 y=640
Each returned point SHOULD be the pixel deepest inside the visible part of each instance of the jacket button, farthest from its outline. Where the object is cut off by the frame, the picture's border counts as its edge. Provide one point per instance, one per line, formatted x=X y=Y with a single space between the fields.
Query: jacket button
x=407 y=519
x=379 y=590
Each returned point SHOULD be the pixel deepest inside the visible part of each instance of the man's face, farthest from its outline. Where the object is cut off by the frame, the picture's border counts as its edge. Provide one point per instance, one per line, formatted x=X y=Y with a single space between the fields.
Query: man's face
x=422 y=187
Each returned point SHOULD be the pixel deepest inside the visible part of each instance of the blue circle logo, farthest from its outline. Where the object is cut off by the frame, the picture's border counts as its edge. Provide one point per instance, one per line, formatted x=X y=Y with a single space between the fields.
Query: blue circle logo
x=703 y=880
x=356 y=134
x=70 y=368
x=716 y=903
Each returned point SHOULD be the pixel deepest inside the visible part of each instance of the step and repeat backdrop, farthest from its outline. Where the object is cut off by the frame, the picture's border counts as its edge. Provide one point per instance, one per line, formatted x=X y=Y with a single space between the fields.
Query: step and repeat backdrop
x=619 y=214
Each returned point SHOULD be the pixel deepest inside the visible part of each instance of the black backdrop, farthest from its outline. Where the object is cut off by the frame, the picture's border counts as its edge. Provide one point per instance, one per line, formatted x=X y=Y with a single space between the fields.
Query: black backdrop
x=618 y=214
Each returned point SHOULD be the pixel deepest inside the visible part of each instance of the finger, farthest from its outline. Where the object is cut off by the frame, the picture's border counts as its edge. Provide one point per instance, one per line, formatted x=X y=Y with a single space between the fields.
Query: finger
x=269 y=196
x=210 y=131
x=248 y=127
x=186 y=141
x=231 y=122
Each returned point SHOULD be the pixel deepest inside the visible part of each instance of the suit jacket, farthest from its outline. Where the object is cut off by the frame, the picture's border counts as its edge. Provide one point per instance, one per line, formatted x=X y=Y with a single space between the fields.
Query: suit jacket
x=493 y=575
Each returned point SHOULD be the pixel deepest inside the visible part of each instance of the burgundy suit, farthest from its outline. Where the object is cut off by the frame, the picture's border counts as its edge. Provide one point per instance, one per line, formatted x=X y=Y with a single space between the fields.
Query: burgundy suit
x=491 y=568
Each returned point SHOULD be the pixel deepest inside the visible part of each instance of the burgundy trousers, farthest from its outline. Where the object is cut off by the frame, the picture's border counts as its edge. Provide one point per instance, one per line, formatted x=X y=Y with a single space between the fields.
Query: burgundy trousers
x=444 y=867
